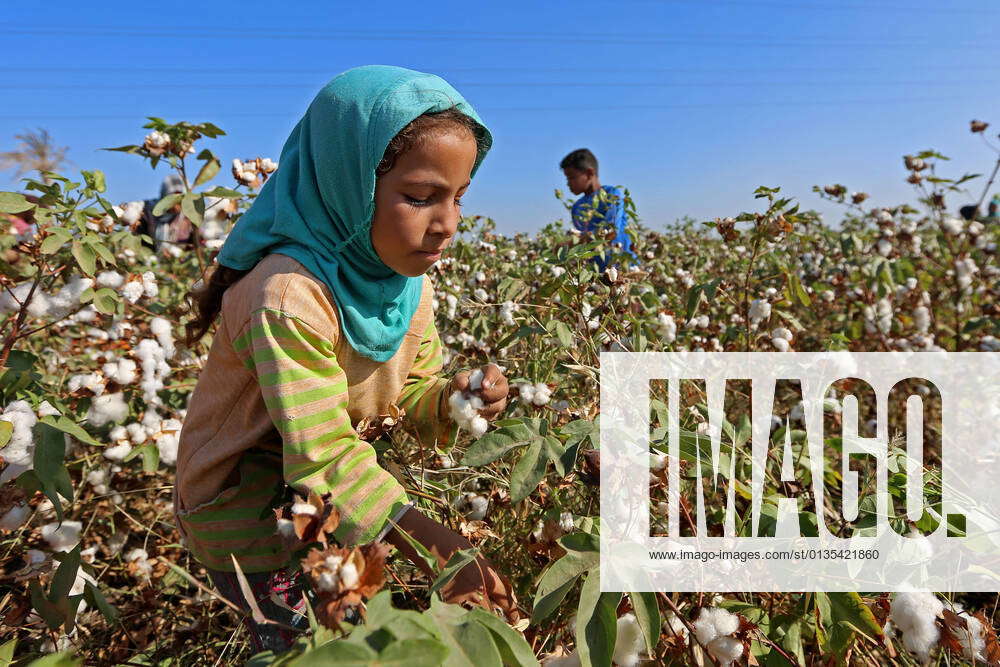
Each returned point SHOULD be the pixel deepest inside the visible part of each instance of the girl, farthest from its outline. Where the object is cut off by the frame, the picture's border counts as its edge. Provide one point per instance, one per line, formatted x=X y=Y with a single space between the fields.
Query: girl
x=326 y=319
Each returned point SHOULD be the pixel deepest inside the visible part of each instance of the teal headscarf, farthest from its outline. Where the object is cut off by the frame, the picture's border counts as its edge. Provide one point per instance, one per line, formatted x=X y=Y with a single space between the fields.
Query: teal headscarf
x=317 y=207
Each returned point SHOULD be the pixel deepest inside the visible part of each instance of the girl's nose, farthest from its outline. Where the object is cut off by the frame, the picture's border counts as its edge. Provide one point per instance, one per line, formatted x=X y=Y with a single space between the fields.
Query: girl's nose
x=446 y=224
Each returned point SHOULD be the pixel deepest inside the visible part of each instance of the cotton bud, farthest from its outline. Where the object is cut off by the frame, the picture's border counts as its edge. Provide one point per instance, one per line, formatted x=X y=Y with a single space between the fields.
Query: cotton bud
x=834 y=190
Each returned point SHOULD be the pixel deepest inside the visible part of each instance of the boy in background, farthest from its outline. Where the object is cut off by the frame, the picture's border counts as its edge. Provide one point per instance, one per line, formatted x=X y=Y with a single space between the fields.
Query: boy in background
x=601 y=206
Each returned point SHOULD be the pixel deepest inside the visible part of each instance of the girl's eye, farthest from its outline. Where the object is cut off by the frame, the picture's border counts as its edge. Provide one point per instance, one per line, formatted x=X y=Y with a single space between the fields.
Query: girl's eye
x=458 y=202
x=413 y=201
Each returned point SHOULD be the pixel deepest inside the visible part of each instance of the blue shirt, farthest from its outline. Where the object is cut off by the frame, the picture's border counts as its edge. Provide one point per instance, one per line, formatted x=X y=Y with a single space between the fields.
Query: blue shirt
x=589 y=216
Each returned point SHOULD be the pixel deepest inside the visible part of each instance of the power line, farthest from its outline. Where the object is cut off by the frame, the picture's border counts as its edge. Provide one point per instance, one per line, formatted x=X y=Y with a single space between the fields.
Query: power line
x=500 y=84
x=581 y=70
x=488 y=109
x=831 y=6
x=465 y=35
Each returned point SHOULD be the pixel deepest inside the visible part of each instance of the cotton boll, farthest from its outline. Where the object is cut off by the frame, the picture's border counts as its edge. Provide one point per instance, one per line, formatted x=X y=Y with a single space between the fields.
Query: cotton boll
x=164 y=335
x=62 y=536
x=107 y=408
x=98 y=478
x=715 y=622
x=46 y=410
x=914 y=614
x=478 y=426
x=167 y=445
x=349 y=576
x=140 y=558
x=666 y=327
x=542 y=394
x=566 y=522
x=473 y=506
x=136 y=433
x=149 y=288
x=674 y=626
x=760 y=310
x=122 y=371
x=526 y=392
x=132 y=291
x=629 y=642
x=90 y=381
x=111 y=279
x=657 y=462
x=15 y=517
x=726 y=650
x=68 y=298
x=780 y=344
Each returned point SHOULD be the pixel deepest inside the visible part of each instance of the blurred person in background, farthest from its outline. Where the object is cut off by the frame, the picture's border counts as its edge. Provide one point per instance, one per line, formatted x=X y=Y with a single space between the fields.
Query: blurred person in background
x=171 y=227
x=600 y=208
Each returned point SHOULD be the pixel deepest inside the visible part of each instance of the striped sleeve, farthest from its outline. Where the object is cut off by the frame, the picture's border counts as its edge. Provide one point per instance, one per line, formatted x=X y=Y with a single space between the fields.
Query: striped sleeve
x=305 y=393
x=424 y=393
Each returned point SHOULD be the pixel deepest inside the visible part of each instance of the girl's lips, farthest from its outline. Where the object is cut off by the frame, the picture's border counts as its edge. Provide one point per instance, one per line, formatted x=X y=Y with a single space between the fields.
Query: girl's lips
x=430 y=255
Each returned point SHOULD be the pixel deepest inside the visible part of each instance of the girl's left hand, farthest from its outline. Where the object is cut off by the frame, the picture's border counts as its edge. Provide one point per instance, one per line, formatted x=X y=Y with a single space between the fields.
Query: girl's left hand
x=493 y=391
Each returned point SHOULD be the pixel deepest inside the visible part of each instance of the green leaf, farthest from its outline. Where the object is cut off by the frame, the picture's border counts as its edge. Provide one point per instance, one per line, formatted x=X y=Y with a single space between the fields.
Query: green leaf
x=167 y=202
x=339 y=653
x=413 y=653
x=94 y=180
x=193 y=208
x=219 y=191
x=596 y=623
x=64 y=659
x=65 y=574
x=85 y=257
x=558 y=579
x=469 y=642
x=563 y=333
x=104 y=252
x=528 y=471
x=845 y=615
x=647 y=613
x=94 y=596
x=209 y=169
x=52 y=244
x=14 y=202
x=50 y=450
x=51 y=614
x=7 y=652
x=514 y=649
x=106 y=300
x=150 y=456
x=67 y=425
x=496 y=443
x=456 y=562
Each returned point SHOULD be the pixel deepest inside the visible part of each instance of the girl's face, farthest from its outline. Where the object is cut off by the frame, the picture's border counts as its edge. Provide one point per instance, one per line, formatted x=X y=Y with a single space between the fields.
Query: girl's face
x=417 y=207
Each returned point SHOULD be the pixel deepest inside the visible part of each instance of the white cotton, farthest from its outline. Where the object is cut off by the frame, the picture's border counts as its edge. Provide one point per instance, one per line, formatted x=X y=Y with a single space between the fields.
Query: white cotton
x=167 y=445
x=111 y=279
x=666 y=327
x=98 y=478
x=92 y=381
x=481 y=294
x=715 y=622
x=657 y=462
x=140 y=557
x=478 y=426
x=476 y=379
x=348 y=576
x=68 y=298
x=526 y=392
x=154 y=369
x=164 y=335
x=132 y=291
x=151 y=421
x=612 y=274
x=19 y=451
x=62 y=536
x=122 y=371
x=149 y=288
x=760 y=310
x=107 y=408
x=566 y=522
x=507 y=310
x=304 y=508
x=46 y=410
x=914 y=614
x=726 y=650
x=674 y=625
x=131 y=212
x=15 y=517
x=558 y=271
x=118 y=433
x=921 y=318
x=629 y=642
x=480 y=277
x=542 y=394
x=883 y=247
x=782 y=332
x=286 y=529
x=117 y=452
x=473 y=506
x=136 y=433
x=80 y=584
x=781 y=344
x=569 y=660
x=952 y=226
x=972 y=638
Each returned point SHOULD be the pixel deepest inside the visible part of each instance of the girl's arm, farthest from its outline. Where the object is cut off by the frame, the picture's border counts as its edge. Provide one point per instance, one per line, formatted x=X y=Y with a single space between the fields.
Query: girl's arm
x=305 y=392
x=425 y=394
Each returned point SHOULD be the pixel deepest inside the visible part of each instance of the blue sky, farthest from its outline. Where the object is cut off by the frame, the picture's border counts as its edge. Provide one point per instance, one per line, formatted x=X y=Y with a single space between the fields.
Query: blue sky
x=689 y=103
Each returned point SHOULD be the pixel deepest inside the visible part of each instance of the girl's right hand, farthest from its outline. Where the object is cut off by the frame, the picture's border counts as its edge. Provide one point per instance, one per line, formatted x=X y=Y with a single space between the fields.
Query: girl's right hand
x=478 y=582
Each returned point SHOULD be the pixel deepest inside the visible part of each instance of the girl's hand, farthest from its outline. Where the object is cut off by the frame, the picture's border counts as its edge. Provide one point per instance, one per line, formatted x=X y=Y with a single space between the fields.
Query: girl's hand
x=478 y=582
x=493 y=391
